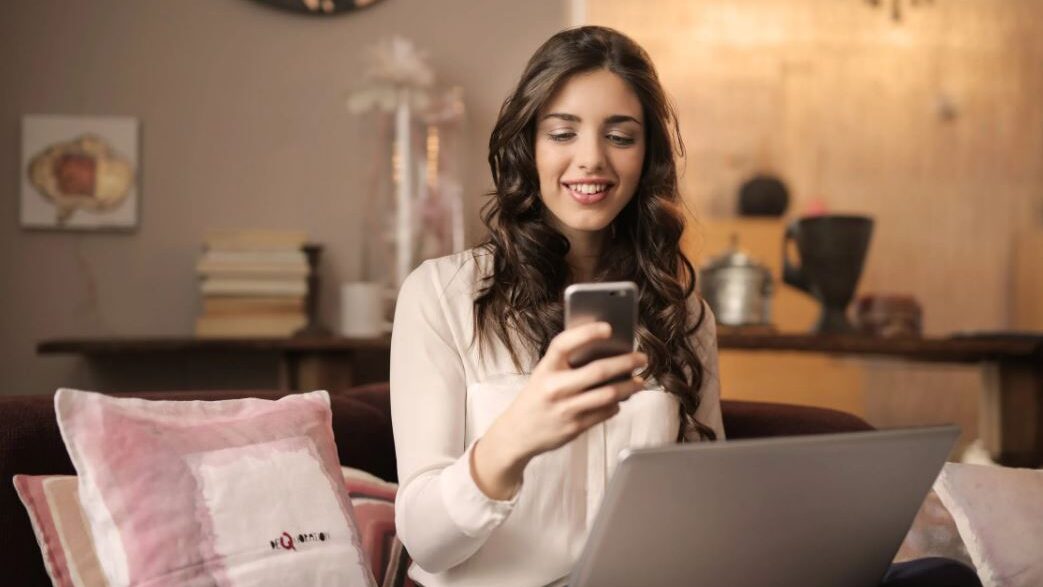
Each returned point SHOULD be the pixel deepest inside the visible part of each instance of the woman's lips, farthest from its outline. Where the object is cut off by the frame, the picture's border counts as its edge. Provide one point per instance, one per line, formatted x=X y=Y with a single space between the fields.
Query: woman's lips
x=588 y=199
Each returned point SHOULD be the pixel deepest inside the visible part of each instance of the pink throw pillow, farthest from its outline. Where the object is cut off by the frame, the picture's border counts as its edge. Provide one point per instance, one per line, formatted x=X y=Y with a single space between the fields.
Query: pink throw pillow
x=234 y=492
x=53 y=505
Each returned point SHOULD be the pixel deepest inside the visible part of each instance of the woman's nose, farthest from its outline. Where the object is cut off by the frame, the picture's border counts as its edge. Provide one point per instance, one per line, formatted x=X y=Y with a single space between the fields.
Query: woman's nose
x=590 y=155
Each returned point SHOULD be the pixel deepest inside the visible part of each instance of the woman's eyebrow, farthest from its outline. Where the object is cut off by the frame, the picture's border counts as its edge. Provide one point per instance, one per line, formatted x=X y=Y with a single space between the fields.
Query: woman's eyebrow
x=614 y=119
x=618 y=118
x=562 y=116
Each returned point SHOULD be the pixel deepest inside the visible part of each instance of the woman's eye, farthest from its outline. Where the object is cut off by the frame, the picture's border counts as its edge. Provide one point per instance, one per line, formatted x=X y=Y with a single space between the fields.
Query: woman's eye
x=561 y=137
x=621 y=140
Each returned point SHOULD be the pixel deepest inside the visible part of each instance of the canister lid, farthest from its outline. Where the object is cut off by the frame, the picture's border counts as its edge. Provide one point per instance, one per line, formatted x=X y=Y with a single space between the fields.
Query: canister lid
x=733 y=257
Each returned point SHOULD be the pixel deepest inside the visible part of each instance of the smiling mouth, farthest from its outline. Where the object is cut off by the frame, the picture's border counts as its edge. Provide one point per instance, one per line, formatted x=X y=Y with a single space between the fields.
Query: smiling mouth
x=588 y=193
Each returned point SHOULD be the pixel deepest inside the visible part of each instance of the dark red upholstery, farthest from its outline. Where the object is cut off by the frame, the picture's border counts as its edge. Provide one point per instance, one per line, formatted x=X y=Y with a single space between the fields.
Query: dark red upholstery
x=30 y=443
x=745 y=419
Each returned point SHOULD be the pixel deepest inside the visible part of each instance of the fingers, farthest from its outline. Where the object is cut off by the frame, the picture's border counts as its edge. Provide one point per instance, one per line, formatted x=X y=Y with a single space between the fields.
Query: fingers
x=563 y=345
x=583 y=378
x=600 y=398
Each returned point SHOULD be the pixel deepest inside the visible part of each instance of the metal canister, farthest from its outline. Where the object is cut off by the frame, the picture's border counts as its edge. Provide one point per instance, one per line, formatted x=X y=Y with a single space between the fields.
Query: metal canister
x=737 y=288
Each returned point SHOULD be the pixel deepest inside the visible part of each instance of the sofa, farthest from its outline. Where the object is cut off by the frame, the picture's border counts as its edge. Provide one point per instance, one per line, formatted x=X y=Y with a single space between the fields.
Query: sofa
x=31 y=444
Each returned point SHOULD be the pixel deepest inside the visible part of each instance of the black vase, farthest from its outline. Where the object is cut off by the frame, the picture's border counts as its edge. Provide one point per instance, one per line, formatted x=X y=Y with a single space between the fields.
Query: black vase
x=832 y=252
x=763 y=195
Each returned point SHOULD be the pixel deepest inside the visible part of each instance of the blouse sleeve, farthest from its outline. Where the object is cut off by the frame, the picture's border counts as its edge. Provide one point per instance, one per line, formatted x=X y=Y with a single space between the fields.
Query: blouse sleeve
x=441 y=515
x=705 y=345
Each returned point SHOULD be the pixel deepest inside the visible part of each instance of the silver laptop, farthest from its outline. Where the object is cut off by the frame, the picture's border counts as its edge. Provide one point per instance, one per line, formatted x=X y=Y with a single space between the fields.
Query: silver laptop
x=812 y=511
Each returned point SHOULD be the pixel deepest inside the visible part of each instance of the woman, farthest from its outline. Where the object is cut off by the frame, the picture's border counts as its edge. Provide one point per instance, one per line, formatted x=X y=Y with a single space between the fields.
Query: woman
x=503 y=458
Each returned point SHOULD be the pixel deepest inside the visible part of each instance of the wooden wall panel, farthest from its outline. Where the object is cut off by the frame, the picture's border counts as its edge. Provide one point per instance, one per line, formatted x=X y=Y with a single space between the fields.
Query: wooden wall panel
x=1027 y=282
x=933 y=125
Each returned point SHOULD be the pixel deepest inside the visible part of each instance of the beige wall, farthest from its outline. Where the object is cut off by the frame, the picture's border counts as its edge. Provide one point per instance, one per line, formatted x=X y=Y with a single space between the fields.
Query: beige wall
x=851 y=108
x=243 y=125
x=934 y=126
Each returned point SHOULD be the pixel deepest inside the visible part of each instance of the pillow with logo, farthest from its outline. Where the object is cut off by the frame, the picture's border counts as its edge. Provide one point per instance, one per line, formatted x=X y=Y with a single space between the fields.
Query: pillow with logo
x=53 y=506
x=232 y=492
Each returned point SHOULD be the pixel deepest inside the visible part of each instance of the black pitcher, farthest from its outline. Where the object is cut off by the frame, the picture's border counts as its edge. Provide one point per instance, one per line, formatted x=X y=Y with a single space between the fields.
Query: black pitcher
x=832 y=252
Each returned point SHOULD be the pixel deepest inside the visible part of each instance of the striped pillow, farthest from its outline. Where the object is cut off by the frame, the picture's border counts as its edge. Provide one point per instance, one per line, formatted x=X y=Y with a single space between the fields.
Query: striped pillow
x=53 y=505
x=374 y=503
x=61 y=530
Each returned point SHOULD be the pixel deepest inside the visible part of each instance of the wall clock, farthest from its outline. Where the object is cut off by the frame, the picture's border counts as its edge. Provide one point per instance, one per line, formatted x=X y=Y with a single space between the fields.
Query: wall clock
x=319 y=7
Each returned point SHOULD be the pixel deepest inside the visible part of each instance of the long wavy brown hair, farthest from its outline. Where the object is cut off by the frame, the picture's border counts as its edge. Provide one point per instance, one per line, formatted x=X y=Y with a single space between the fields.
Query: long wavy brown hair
x=521 y=302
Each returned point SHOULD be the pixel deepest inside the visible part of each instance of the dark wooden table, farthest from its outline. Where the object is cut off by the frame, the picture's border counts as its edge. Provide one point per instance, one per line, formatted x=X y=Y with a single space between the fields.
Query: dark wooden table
x=303 y=363
x=1011 y=406
x=1011 y=403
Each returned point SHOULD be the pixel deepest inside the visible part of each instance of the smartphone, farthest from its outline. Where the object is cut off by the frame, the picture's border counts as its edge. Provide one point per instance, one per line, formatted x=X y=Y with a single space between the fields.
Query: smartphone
x=614 y=302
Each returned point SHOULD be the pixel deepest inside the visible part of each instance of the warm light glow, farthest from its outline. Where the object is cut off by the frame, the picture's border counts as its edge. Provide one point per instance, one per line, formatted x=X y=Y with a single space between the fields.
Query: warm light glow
x=432 y=155
x=396 y=165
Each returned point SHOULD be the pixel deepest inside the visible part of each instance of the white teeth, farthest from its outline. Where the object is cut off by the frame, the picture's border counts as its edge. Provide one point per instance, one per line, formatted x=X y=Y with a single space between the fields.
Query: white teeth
x=588 y=188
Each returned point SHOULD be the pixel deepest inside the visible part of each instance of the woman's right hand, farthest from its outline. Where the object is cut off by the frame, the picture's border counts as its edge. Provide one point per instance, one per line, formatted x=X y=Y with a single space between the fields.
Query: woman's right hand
x=554 y=407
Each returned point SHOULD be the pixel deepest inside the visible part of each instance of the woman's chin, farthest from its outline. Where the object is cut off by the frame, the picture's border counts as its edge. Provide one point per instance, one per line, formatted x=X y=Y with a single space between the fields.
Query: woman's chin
x=582 y=224
x=587 y=227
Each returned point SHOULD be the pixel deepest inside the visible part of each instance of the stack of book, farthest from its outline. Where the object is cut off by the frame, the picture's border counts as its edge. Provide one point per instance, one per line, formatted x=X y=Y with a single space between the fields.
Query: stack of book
x=254 y=284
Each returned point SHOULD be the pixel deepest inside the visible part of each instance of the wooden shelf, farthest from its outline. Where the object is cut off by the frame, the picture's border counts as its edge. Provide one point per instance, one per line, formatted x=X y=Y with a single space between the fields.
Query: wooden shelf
x=1011 y=401
x=173 y=344
x=956 y=349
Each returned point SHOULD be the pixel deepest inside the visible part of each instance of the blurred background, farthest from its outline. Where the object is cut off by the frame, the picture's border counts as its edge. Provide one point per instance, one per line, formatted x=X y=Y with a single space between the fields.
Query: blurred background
x=924 y=115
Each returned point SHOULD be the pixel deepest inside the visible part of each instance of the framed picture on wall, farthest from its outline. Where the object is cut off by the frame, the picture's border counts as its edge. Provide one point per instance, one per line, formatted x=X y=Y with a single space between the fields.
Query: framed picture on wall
x=79 y=172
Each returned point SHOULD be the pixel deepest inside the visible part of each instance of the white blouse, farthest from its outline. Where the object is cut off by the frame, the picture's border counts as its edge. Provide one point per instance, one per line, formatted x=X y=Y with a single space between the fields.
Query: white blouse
x=443 y=398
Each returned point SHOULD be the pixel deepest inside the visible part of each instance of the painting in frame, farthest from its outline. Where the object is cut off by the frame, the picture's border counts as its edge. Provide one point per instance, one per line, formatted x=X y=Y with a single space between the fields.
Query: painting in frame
x=79 y=172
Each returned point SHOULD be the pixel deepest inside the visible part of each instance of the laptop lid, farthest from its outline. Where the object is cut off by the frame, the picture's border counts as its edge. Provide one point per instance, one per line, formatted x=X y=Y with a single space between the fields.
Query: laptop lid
x=814 y=511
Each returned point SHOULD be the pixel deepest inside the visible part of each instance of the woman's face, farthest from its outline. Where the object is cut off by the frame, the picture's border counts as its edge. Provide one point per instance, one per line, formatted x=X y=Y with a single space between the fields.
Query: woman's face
x=590 y=148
